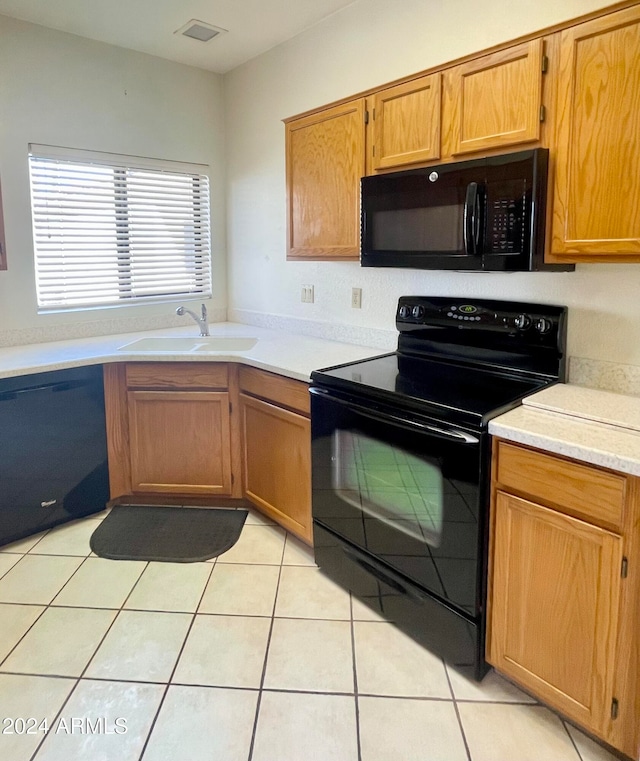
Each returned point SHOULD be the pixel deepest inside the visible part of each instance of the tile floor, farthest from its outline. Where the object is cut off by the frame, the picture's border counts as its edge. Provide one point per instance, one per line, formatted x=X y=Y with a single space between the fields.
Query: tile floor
x=255 y=656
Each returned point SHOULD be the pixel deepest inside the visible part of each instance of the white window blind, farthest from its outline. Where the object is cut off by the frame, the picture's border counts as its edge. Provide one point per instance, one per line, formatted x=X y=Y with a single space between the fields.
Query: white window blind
x=117 y=229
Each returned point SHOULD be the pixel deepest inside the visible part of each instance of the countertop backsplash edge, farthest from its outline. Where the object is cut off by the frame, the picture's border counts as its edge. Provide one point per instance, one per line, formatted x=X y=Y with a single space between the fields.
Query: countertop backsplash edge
x=604 y=375
x=95 y=328
x=376 y=338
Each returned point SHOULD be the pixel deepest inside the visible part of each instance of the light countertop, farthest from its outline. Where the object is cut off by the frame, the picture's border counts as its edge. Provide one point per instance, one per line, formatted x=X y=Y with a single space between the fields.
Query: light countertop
x=598 y=427
x=289 y=354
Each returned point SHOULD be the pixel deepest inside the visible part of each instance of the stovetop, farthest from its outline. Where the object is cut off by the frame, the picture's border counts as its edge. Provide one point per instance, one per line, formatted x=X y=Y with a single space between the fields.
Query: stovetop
x=458 y=360
x=447 y=391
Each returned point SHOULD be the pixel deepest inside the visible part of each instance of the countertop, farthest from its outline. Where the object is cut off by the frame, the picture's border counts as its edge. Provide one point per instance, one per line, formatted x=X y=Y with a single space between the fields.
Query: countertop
x=597 y=427
x=289 y=354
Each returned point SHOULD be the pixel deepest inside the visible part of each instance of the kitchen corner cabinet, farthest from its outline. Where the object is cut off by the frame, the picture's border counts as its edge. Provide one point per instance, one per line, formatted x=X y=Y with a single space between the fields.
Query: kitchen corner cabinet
x=596 y=207
x=496 y=99
x=325 y=159
x=170 y=429
x=276 y=448
x=563 y=598
x=406 y=123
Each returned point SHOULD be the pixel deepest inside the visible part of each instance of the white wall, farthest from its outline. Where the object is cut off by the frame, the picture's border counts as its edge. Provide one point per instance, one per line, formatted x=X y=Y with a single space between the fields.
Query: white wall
x=368 y=44
x=59 y=89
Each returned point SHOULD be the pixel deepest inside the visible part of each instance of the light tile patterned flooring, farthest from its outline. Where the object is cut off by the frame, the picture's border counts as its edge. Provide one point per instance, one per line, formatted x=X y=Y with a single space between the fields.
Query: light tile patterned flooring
x=253 y=657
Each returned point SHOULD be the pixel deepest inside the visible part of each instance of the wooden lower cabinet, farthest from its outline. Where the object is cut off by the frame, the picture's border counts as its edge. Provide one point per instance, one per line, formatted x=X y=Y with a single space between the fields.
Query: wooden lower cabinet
x=211 y=429
x=171 y=429
x=277 y=463
x=556 y=588
x=564 y=588
x=276 y=448
x=180 y=442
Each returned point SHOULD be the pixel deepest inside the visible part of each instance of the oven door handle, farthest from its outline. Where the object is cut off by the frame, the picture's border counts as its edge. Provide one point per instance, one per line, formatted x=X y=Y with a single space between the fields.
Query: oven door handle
x=460 y=437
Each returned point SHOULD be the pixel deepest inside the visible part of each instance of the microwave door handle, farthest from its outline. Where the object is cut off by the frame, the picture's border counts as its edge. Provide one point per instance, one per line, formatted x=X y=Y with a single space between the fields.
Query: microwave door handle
x=470 y=220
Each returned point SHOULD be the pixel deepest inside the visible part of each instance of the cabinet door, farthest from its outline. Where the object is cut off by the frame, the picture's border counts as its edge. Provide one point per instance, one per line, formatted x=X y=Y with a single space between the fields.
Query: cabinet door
x=596 y=209
x=180 y=442
x=406 y=123
x=554 y=607
x=325 y=161
x=277 y=463
x=497 y=99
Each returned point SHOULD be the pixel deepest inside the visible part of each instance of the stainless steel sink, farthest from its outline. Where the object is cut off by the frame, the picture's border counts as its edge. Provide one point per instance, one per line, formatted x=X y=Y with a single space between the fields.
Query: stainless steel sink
x=200 y=344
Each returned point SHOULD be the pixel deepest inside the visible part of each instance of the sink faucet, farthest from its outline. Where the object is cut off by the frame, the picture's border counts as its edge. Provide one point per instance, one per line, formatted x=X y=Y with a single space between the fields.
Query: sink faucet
x=202 y=321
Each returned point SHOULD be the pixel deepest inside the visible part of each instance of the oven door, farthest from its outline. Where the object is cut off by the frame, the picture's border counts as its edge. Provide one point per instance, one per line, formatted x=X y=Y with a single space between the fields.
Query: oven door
x=405 y=490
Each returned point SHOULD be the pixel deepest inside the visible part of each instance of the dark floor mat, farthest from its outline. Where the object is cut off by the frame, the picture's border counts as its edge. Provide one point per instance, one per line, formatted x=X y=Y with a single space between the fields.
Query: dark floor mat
x=169 y=534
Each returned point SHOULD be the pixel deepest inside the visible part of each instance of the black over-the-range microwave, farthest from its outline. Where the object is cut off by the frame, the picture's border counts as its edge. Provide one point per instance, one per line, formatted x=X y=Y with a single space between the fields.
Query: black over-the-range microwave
x=486 y=214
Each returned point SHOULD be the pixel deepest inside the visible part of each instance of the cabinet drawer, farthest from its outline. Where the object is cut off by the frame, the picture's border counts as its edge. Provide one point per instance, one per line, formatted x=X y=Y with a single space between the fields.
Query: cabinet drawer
x=576 y=489
x=285 y=392
x=177 y=375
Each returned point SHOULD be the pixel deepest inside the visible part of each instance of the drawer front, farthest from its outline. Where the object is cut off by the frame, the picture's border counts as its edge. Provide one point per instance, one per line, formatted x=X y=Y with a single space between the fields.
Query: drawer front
x=170 y=375
x=285 y=392
x=574 y=488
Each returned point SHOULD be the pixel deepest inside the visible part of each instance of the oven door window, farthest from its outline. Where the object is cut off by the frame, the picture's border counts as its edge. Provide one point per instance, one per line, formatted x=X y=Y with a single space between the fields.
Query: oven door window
x=390 y=485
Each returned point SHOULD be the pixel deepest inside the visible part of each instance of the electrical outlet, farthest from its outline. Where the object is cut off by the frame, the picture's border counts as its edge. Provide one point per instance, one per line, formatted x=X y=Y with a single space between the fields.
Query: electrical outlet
x=356 y=298
x=307 y=294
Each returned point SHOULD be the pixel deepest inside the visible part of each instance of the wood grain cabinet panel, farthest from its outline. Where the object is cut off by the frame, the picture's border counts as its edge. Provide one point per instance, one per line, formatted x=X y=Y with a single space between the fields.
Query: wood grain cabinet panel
x=498 y=99
x=285 y=392
x=556 y=588
x=563 y=601
x=180 y=442
x=325 y=154
x=579 y=490
x=177 y=375
x=596 y=208
x=406 y=123
x=277 y=463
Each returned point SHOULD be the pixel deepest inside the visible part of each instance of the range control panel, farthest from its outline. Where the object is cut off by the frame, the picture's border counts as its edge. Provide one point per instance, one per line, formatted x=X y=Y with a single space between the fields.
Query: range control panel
x=523 y=320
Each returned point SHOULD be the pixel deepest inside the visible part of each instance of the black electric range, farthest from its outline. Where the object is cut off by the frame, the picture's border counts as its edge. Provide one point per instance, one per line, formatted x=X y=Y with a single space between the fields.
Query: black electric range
x=401 y=460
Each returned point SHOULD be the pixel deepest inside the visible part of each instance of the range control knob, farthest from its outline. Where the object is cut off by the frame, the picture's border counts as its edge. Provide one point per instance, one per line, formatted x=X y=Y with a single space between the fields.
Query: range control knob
x=543 y=325
x=418 y=312
x=522 y=322
x=404 y=311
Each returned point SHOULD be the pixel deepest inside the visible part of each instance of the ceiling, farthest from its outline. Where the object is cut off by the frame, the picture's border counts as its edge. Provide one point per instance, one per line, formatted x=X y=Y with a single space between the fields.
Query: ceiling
x=148 y=26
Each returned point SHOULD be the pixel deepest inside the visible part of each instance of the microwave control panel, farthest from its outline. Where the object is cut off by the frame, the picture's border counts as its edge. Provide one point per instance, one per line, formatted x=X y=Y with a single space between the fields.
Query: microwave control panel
x=506 y=214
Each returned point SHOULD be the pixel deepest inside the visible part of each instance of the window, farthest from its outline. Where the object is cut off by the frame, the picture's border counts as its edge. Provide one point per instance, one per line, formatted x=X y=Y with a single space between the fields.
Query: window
x=115 y=230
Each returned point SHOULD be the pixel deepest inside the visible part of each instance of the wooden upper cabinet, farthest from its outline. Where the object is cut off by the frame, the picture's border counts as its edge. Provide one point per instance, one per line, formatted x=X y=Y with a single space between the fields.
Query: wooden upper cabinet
x=325 y=154
x=554 y=608
x=406 y=123
x=596 y=208
x=496 y=99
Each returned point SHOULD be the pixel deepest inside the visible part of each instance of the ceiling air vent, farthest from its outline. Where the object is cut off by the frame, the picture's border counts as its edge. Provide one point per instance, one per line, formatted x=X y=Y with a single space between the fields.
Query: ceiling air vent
x=199 y=30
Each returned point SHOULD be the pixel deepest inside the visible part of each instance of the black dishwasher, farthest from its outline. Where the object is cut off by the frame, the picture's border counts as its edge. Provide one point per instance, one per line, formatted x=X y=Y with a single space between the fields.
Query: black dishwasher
x=53 y=450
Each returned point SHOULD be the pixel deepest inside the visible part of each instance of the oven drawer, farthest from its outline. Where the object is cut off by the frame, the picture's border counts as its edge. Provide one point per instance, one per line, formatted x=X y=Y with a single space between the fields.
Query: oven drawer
x=433 y=625
x=582 y=491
